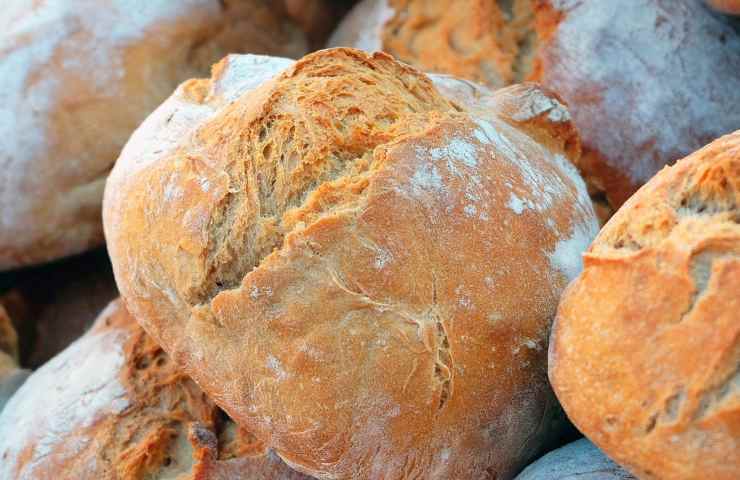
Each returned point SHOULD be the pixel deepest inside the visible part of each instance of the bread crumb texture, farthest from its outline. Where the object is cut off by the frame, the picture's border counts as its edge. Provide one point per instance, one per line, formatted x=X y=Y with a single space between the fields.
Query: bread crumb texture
x=646 y=349
x=647 y=81
x=114 y=406
x=76 y=78
x=327 y=246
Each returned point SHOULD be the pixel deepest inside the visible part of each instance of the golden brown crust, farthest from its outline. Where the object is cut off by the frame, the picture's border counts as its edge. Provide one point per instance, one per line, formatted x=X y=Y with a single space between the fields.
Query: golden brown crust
x=646 y=346
x=134 y=416
x=618 y=65
x=76 y=78
x=332 y=252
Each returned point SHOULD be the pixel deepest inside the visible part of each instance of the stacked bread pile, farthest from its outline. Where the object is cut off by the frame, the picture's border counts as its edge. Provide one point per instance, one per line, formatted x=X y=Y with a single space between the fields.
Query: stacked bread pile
x=432 y=251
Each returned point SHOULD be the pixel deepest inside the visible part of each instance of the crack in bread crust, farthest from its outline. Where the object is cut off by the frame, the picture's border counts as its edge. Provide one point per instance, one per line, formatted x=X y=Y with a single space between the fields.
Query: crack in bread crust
x=287 y=167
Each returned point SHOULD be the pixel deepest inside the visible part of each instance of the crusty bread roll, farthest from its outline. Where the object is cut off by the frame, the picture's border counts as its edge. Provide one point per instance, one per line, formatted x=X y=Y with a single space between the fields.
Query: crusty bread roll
x=731 y=7
x=76 y=78
x=646 y=83
x=358 y=266
x=114 y=406
x=645 y=352
x=580 y=460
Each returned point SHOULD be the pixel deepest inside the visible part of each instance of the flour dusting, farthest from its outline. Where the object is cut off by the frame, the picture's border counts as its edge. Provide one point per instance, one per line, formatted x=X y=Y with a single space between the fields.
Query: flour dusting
x=80 y=386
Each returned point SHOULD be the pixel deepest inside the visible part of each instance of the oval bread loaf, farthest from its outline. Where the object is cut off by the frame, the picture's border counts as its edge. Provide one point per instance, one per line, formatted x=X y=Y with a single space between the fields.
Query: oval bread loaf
x=357 y=262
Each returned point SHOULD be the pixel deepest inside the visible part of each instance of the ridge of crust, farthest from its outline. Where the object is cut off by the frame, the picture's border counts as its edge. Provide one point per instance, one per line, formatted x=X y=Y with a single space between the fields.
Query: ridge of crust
x=707 y=197
x=302 y=155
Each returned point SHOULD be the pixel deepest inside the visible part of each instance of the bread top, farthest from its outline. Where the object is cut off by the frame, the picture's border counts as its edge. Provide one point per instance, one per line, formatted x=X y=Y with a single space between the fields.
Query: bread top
x=646 y=84
x=659 y=298
x=114 y=406
x=573 y=462
x=371 y=257
x=76 y=78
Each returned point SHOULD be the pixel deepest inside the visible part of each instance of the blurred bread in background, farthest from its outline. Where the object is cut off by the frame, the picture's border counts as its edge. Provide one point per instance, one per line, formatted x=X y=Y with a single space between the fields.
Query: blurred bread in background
x=77 y=77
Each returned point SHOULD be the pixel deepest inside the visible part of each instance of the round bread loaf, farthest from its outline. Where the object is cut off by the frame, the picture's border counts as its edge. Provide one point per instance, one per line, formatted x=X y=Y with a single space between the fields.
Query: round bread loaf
x=646 y=82
x=580 y=460
x=731 y=7
x=645 y=352
x=114 y=406
x=358 y=266
x=76 y=78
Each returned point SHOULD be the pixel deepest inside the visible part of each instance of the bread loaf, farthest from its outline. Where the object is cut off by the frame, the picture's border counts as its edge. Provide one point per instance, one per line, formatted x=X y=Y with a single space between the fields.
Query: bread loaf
x=647 y=83
x=114 y=406
x=580 y=460
x=358 y=263
x=645 y=351
x=76 y=78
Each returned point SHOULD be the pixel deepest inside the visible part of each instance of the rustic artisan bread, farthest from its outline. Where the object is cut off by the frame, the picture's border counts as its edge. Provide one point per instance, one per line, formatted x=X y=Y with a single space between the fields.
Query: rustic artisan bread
x=726 y=6
x=580 y=460
x=76 y=78
x=645 y=351
x=358 y=268
x=114 y=406
x=646 y=84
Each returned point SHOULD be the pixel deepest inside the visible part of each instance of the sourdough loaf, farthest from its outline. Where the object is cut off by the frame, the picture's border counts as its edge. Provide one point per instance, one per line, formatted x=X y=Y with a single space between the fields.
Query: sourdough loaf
x=357 y=262
x=580 y=460
x=647 y=81
x=76 y=78
x=645 y=352
x=114 y=406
